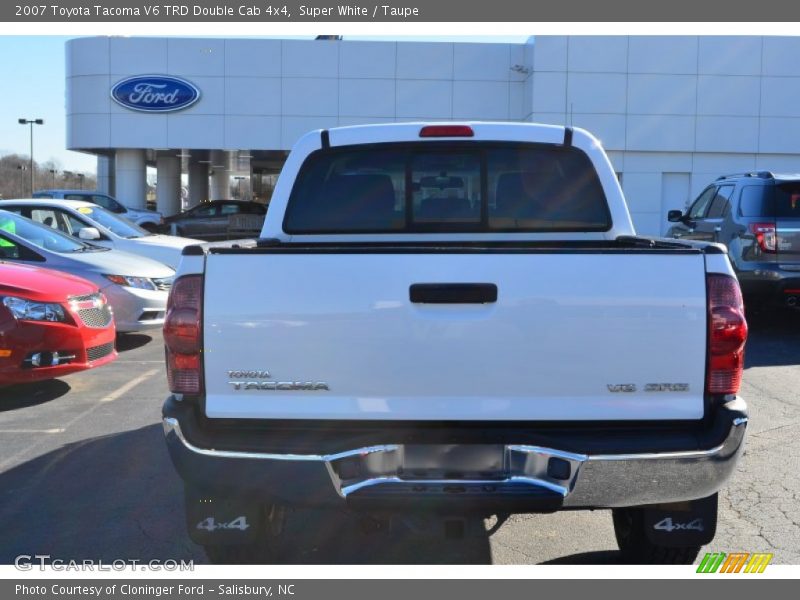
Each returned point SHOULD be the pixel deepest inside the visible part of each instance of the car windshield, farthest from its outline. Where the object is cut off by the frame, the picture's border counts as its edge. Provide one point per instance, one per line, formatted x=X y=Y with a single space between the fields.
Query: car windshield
x=40 y=235
x=117 y=225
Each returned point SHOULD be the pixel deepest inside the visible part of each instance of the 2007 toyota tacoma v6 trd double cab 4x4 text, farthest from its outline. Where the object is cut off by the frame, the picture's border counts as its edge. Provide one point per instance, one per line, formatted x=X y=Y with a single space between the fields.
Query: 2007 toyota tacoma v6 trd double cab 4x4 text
x=452 y=319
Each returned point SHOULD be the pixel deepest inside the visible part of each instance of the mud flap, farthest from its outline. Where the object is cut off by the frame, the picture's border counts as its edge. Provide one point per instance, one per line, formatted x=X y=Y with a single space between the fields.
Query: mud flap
x=681 y=524
x=217 y=519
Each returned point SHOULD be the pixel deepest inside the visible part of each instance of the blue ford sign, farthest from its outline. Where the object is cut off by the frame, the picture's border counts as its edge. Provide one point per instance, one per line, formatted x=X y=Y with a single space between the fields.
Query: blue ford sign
x=155 y=93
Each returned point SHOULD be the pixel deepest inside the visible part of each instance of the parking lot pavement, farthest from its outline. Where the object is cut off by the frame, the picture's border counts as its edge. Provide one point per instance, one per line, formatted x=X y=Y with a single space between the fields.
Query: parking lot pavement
x=84 y=474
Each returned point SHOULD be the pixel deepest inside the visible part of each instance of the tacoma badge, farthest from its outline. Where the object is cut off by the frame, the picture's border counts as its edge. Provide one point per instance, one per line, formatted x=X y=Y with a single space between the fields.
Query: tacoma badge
x=313 y=386
x=254 y=380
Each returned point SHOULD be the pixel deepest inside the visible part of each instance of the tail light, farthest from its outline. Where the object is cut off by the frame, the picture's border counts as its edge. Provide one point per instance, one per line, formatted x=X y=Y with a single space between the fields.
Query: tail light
x=766 y=236
x=727 y=333
x=183 y=335
x=446 y=131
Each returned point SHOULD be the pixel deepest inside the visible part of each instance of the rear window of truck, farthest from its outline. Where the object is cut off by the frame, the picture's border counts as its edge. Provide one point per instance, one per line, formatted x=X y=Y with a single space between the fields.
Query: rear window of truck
x=447 y=187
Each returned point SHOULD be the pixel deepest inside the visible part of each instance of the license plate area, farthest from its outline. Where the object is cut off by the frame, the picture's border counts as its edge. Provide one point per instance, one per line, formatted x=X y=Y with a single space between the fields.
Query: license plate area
x=453 y=461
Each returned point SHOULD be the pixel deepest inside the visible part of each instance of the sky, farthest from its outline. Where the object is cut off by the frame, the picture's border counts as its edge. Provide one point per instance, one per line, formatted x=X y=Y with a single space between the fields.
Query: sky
x=33 y=71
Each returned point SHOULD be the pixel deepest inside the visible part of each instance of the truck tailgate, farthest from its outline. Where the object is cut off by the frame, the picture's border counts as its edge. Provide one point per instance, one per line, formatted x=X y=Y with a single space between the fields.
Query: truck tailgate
x=567 y=338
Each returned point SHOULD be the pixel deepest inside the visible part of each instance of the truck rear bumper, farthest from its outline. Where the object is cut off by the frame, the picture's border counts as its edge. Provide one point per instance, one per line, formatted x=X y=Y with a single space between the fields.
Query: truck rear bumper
x=518 y=477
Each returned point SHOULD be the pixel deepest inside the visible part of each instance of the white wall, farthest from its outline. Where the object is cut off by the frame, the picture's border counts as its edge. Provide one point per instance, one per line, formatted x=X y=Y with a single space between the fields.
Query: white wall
x=674 y=112
x=264 y=94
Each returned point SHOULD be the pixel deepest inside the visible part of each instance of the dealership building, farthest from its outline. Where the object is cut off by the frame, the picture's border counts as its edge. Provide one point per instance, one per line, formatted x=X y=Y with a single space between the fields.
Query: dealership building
x=218 y=116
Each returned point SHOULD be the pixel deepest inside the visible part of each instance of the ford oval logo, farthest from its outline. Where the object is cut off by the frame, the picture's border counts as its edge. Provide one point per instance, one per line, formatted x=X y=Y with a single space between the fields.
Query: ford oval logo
x=155 y=93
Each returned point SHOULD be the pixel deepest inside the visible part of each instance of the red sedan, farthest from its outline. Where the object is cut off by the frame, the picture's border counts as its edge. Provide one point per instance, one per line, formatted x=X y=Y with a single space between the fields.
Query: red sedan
x=51 y=324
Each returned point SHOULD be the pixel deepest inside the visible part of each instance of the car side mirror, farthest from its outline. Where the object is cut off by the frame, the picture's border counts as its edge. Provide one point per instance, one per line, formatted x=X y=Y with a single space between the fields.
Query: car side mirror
x=88 y=233
x=675 y=216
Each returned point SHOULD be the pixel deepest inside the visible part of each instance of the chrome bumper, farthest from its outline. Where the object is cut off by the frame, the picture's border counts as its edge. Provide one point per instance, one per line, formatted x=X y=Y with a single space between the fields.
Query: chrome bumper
x=577 y=480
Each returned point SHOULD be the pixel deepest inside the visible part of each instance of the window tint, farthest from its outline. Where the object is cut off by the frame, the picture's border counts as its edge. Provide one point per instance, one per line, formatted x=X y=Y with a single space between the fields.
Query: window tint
x=541 y=189
x=230 y=209
x=204 y=211
x=447 y=187
x=702 y=203
x=350 y=190
x=787 y=200
x=720 y=202
x=253 y=208
x=753 y=201
x=8 y=248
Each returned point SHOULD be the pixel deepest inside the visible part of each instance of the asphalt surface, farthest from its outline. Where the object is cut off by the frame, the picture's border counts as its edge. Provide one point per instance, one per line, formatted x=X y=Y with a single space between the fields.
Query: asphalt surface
x=84 y=473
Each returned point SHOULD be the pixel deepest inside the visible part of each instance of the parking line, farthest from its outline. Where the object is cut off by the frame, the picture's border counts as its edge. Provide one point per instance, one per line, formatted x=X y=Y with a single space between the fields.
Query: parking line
x=128 y=386
x=109 y=398
x=56 y=430
x=140 y=362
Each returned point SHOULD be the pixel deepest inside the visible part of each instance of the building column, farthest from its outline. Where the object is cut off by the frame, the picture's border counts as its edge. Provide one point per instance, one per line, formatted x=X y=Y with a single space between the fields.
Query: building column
x=105 y=175
x=168 y=185
x=130 y=174
x=220 y=175
x=198 y=183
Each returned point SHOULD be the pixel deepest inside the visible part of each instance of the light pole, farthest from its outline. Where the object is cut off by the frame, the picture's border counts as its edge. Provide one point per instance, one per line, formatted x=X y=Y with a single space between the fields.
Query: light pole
x=53 y=173
x=80 y=178
x=31 y=122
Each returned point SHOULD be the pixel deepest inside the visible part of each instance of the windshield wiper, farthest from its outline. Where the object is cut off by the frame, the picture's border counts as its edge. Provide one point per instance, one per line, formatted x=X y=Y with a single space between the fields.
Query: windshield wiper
x=90 y=248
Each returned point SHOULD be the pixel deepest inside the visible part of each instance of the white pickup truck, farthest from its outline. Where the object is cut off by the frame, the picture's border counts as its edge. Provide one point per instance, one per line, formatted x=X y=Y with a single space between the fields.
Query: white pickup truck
x=454 y=319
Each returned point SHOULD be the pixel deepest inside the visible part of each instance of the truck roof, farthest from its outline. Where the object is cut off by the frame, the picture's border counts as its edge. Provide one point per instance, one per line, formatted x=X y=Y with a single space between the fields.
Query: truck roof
x=481 y=131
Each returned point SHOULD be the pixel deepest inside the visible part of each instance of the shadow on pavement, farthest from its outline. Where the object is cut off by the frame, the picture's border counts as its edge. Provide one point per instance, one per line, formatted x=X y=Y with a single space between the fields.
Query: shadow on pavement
x=131 y=341
x=601 y=557
x=118 y=497
x=773 y=339
x=30 y=394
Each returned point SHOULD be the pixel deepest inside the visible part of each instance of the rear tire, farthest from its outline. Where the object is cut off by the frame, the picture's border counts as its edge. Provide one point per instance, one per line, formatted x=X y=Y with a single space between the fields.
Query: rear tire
x=629 y=529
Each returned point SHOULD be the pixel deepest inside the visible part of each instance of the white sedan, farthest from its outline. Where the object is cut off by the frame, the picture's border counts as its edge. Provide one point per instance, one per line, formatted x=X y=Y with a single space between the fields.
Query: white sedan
x=92 y=223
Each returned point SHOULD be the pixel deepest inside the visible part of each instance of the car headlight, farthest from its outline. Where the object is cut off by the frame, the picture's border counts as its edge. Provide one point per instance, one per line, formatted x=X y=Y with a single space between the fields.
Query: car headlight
x=28 y=310
x=142 y=283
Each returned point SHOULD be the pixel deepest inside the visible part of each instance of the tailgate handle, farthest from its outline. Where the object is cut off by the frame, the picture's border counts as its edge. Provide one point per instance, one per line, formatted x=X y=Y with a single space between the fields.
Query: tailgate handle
x=453 y=293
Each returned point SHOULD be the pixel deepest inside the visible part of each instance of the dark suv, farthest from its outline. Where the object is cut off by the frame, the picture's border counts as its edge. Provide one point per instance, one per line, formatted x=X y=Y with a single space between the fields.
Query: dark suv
x=757 y=216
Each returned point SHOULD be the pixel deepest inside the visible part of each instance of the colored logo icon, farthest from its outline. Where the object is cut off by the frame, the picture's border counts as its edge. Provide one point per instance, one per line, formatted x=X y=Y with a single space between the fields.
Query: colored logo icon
x=735 y=562
x=155 y=93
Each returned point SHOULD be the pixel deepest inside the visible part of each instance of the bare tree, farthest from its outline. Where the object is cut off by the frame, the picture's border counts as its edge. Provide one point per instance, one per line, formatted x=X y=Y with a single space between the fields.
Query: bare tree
x=15 y=176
